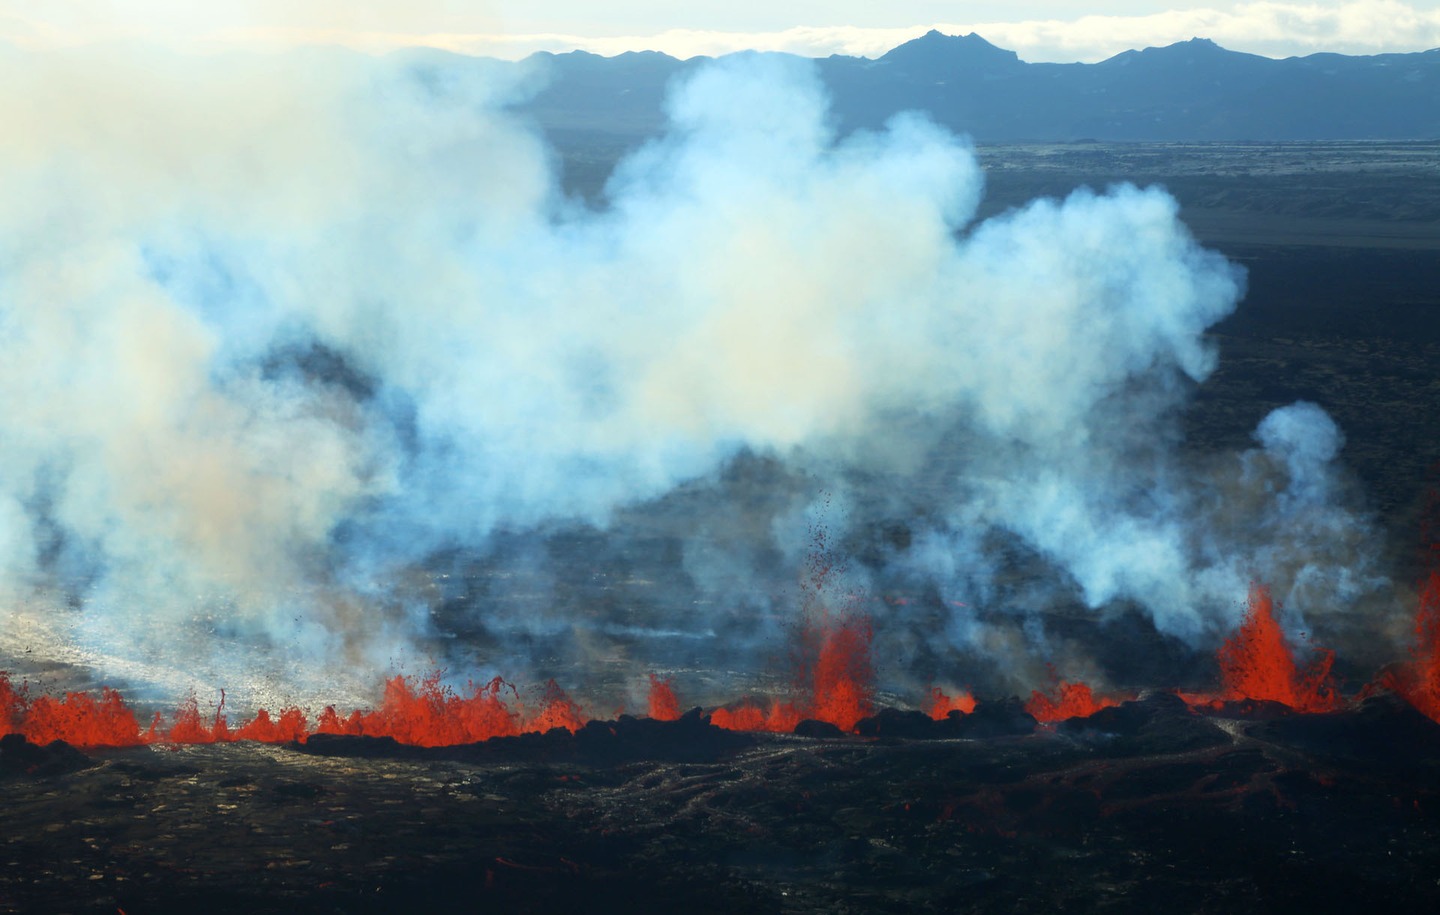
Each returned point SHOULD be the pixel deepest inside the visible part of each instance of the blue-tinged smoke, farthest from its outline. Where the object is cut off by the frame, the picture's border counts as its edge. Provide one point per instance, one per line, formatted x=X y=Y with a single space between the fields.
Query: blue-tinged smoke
x=281 y=337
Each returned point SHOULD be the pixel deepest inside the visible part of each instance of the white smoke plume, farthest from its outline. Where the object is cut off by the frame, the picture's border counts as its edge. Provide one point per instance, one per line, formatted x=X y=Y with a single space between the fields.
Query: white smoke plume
x=279 y=333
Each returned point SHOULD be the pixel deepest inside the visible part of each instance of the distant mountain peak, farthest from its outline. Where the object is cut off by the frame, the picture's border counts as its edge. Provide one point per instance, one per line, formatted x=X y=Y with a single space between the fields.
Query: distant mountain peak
x=955 y=51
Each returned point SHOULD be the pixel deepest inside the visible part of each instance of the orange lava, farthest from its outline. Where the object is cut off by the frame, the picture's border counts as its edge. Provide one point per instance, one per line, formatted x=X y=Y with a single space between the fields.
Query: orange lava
x=1256 y=663
x=78 y=718
x=833 y=668
x=748 y=715
x=12 y=706
x=559 y=712
x=1067 y=700
x=82 y=720
x=843 y=677
x=291 y=725
x=189 y=728
x=428 y=714
x=942 y=705
x=421 y=712
x=664 y=706
x=1418 y=680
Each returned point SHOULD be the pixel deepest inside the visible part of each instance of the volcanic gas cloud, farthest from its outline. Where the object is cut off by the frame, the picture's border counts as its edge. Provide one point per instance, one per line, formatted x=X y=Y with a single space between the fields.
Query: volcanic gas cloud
x=314 y=375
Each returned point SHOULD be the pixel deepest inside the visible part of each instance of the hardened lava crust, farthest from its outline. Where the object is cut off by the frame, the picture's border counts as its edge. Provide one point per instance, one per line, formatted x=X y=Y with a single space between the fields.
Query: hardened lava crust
x=1145 y=807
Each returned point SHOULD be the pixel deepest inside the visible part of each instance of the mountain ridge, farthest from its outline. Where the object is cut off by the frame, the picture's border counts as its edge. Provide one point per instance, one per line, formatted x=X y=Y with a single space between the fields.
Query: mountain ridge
x=1189 y=90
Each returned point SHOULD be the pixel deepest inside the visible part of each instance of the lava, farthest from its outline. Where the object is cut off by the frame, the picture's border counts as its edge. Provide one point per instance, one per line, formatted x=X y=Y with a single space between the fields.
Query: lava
x=428 y=714
x=834 y=678
x=1256 y=663
x=750 y=715
x=189 y=728
x=843 y=676
x=421 y=712
x=1067 y=700
x=664 y=706
x=291 y=725
x=835 y=675
x=82 y=720
x=1418 y=679
x=941 y=705
x=560 y=711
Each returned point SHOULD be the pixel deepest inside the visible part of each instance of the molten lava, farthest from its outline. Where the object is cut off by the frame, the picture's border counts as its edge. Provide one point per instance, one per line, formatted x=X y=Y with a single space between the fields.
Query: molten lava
x=843 y=677
x=291 y=725
x=1418 y=680
x=1067 y=700
x=189 y=728
x=1256 y=663
x=560 y=711
x=749 y=715
x=664 y=706
x=81 y=720
x=833 y=671
x=421 y=712
x=78 y=718
x=429 y=714
x=830 y=655
x=942 y=705
x=834 y=676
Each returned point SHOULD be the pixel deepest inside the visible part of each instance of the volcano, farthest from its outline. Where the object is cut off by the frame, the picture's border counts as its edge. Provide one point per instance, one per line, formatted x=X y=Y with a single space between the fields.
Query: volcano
x=1259 y=798
x=362 y=481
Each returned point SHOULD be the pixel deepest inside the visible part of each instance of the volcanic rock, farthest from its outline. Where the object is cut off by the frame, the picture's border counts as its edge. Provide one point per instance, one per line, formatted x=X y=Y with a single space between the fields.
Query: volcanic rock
x=1000 y=718
x=1285 y=817
x=1251 y=709
x=1385 y=729
x=811 y=727
x=19 y=756
x=1159 y=722
x=690 y=738
x=906 y=724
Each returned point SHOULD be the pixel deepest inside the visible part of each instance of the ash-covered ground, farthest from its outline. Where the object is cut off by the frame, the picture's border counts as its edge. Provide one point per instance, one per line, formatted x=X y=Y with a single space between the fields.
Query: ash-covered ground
x=1142 y=808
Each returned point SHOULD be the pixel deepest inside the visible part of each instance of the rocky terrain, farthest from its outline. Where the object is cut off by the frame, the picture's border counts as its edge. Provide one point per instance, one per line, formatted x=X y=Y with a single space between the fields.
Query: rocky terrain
x=1145 y=807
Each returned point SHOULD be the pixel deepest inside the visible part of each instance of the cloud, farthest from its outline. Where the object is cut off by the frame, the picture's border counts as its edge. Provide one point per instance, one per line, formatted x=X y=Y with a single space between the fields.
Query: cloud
x=1272 y=29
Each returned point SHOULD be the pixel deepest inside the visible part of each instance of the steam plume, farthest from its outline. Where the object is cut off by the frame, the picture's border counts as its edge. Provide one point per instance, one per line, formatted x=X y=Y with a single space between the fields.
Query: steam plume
x=276 y=333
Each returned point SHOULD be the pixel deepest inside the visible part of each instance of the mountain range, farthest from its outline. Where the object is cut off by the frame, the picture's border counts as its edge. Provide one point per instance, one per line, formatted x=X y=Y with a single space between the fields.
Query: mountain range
x=1192 y=90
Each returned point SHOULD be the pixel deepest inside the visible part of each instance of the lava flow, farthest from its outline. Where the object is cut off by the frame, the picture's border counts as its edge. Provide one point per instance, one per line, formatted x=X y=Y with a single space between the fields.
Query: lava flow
x=79 y=718
x=941 y=705
x=1257 y=664
x=1067 y=700
x=1418 y=680
x=420 y=712
x=663 y=704
x=835 y=672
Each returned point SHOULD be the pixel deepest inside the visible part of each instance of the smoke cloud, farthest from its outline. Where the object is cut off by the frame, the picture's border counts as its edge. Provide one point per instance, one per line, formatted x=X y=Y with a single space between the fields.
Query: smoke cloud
x=286 y=341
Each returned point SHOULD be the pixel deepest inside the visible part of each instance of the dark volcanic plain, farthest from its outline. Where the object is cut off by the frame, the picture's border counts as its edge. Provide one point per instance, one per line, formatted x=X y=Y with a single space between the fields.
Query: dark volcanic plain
x=1143 y=808
x=1148 y=808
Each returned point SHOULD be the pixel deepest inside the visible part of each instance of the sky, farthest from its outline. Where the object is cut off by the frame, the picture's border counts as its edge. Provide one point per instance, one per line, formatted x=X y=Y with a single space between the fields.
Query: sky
x=1039 y=30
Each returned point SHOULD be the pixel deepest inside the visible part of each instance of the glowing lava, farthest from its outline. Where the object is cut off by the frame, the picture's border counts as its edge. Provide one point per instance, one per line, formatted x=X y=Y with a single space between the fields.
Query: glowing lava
x=1067 y=700
x=664 y=706
x=1256 y=663
x=843 y=677
x=750 y=715
x=1418 y=680
x=942 y=705
x=78 y=719
x=420 y=712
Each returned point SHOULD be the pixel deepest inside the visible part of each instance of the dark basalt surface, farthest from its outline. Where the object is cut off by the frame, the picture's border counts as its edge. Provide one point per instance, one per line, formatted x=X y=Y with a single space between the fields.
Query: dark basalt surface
x=1146 y=807
x=20 y=757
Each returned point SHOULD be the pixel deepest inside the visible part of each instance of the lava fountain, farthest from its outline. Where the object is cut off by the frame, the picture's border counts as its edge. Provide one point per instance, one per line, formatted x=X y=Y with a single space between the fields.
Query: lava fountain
x=1257 y=663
